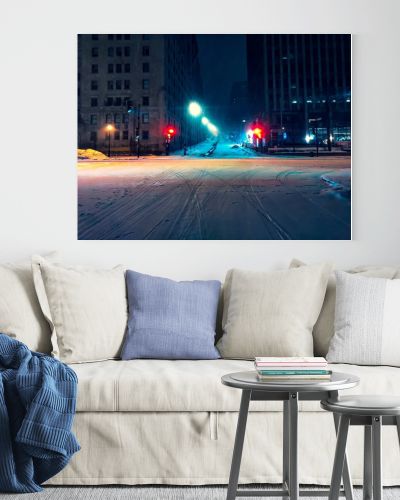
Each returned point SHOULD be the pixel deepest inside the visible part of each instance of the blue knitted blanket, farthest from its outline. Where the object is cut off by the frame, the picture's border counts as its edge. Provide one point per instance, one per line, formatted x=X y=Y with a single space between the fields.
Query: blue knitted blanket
x=37 y=406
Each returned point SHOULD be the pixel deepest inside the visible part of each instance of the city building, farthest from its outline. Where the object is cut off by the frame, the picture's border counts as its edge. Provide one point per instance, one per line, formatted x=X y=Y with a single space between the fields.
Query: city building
x=300 y=86
x=132 y=88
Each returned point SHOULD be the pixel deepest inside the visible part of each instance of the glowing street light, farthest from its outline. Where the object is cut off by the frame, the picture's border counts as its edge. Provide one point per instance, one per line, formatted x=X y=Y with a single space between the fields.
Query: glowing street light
x=109 y=128
x=205 y=120
x=213 y=129
x=195 y=109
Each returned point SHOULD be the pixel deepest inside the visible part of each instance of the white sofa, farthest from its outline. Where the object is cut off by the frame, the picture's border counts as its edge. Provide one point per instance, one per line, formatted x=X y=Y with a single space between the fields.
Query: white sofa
x=173 y=422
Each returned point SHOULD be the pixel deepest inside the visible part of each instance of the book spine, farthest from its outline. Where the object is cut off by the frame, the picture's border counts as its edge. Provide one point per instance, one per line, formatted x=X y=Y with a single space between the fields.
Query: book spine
x=294 y=372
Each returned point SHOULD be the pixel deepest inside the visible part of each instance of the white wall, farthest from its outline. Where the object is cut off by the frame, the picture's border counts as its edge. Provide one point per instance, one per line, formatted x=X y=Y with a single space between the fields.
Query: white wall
x=38 y=127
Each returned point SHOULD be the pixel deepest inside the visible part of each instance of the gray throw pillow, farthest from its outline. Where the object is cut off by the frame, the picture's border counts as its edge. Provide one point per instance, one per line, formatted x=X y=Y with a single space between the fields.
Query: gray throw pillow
x=170 y=319
x=324 y=327
x=367 y=321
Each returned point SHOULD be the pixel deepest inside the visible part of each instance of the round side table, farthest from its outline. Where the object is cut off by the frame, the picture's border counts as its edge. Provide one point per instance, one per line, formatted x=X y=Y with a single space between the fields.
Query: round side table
x=290 y=392
x=371 y=412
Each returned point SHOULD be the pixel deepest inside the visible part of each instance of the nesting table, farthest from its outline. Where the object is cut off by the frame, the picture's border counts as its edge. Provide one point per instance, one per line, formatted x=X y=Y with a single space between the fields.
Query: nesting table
x=290 y=392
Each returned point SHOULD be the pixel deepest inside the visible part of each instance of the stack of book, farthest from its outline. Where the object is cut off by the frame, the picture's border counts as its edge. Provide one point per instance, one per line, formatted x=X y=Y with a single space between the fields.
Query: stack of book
x=269 y=369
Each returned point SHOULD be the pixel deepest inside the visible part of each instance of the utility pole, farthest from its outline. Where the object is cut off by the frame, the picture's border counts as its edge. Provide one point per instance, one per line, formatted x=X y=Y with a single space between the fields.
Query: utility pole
x=138 y=132
x=315 y=131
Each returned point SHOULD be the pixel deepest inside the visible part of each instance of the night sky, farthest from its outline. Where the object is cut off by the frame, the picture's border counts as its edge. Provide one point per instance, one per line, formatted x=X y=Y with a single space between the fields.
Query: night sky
x=222 y=62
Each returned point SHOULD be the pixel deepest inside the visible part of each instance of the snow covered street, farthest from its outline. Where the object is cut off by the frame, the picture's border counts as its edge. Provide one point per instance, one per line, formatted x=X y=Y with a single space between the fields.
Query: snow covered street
x=236 y=196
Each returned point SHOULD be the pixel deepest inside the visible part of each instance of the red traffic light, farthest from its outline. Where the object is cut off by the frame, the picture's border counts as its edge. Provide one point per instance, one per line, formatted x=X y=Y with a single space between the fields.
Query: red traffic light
x=258 y=132
x=170 y=131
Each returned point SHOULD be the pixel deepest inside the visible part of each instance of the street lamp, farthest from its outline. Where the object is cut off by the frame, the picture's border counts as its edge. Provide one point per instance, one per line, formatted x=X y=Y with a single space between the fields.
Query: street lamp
x=109 y=129
x=205 y=120
x=213 y=129
x=195 y=109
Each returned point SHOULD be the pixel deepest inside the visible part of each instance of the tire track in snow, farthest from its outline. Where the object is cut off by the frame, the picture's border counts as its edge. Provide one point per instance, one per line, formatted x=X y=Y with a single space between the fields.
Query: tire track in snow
x=254 y=201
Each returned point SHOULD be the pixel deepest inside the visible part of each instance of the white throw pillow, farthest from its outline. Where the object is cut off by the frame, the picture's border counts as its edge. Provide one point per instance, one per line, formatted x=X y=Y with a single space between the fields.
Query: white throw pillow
x=86 y=308
x=367 y=321
x=272 y=313
x=324 y=327
x=20 y=315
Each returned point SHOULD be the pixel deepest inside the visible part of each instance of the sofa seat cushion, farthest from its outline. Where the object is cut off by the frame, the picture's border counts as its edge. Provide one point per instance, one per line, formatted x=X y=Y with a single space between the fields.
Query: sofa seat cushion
x=145 y=385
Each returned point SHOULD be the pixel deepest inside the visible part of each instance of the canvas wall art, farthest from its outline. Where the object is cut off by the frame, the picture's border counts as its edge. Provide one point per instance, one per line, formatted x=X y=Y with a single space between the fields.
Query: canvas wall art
x=214 y=137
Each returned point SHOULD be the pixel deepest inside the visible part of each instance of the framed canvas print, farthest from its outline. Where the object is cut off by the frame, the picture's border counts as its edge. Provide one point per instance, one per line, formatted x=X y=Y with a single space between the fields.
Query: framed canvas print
x=214 y=137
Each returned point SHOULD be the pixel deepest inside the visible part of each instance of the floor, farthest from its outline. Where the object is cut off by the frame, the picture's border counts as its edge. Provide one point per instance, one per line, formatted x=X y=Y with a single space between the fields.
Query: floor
x=153 y=493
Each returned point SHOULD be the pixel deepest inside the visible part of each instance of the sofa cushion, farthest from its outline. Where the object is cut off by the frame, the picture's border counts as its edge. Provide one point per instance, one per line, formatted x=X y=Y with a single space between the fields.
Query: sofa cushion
x=86 y=308
x=324 y=327
x=367 y=321
x=170 y=319
x=20 y=315
x=272 y=313
x=161 y=385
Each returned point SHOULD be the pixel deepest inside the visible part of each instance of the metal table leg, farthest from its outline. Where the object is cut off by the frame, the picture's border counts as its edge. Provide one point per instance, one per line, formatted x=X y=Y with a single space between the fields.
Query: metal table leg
x=367 y=487
x=340 y=454
x=285 y=447
x=377 y=457
x=347 y=481
x=238 y=447
x=293 y=446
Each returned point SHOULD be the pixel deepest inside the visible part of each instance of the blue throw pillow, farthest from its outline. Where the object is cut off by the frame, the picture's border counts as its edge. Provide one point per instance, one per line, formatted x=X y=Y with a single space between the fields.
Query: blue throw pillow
x=170 y=319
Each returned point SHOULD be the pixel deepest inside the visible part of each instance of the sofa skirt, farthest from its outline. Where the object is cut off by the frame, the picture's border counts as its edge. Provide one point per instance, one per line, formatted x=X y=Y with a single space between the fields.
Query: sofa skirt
x=195 y=448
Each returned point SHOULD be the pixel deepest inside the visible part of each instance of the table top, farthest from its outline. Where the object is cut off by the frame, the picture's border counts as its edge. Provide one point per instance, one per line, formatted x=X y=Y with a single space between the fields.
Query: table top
x=249 y=380
x=365 y=405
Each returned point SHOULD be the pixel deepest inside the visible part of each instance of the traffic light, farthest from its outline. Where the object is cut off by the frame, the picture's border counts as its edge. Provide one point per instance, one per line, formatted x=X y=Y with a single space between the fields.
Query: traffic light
x=258 y=132
x=170 y=132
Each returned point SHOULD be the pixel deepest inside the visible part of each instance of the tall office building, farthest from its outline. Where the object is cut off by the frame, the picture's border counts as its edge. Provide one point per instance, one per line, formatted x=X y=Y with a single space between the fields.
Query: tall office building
x=300 y=82
x=131 y=88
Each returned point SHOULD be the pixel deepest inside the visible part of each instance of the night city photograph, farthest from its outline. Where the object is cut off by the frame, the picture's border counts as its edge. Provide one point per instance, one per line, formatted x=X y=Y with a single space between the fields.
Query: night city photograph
x=214 y=137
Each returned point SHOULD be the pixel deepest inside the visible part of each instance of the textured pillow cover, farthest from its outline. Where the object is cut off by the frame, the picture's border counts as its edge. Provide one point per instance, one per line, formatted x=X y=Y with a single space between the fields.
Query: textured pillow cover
x=324 y=327
x=272 y=313
x=170 y=319
x=86 y=310
x=20 y=314
x=367 y=321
